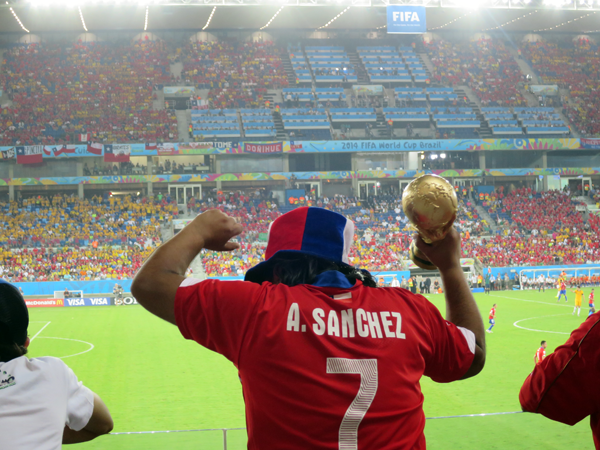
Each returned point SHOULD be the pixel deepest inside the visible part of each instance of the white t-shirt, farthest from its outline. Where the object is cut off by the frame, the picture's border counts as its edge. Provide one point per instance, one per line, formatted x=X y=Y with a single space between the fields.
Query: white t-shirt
x=39 y=397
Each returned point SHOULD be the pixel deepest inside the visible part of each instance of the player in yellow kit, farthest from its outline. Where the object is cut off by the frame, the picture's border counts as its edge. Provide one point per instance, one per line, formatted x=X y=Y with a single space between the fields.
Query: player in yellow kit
x=578 y=297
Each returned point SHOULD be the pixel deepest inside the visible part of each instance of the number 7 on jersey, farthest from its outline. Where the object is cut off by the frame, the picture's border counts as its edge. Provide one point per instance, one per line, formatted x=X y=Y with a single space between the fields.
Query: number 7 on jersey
x=367 y=369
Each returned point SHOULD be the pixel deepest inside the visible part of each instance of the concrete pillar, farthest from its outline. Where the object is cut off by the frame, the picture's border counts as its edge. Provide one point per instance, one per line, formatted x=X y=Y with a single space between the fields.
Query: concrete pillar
x=79 y=172
x=149 y=165
x=354 y=166
x=11 y=188
x=286 y=163
x=482 y=160
x=419 y=161
x=545 y=166
x=150 y=190
x=412 y=161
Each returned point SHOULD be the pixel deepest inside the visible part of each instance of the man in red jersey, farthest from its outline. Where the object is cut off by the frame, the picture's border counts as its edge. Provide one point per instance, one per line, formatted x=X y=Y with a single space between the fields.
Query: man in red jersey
x=540 y=354
x=327 y=360
x=563 y=387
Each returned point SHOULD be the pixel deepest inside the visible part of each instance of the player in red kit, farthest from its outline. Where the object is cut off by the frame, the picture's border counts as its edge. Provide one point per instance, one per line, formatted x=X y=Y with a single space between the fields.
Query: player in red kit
x=540 y=354
x=327 y=360
x=562 y=291
x=492 y=318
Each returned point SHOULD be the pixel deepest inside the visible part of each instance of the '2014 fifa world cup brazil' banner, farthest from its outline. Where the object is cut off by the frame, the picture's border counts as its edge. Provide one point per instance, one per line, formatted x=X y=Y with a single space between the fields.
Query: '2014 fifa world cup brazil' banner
x=405 y=19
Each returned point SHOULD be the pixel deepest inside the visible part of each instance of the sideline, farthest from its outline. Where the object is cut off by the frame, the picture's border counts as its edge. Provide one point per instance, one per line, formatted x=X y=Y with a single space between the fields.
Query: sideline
x=540 y=331
x=239 y=429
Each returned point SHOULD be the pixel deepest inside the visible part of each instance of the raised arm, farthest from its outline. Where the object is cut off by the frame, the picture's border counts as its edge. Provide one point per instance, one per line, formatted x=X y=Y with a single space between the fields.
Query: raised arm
x=156 y=283
x=461 y=308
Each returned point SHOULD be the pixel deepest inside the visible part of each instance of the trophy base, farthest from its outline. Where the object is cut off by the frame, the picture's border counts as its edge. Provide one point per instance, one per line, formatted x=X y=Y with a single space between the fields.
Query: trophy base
x=419 y=258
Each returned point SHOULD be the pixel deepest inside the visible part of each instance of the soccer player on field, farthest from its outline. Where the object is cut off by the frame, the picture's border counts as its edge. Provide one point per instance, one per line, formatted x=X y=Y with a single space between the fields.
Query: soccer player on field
x=578 y=297
x=591 y=303
x=327 y=360
x=564 y=386
x=563 y=290
x=540 y=354
x=492 y=318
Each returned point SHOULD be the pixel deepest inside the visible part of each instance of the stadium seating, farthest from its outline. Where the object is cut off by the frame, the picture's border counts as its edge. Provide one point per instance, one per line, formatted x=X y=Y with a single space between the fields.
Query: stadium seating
x=384 y=65
x=237 y=74
x=330 y=65
x=85 y=91
x=299 y=64
x=215 y=123
x=64 y=237
x=258 y=123
x=484 y=65
x=306 y=122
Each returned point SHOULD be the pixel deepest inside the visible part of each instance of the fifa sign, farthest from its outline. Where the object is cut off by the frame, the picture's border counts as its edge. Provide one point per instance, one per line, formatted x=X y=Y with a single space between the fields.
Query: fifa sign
x=404 y=19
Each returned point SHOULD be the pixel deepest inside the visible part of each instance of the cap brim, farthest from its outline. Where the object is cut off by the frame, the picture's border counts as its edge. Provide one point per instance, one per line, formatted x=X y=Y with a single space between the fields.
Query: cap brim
x=263 y=271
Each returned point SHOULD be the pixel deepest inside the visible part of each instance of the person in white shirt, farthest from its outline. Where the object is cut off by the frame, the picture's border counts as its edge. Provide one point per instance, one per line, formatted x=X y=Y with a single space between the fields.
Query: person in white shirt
x=395 y=282
x=43 y=403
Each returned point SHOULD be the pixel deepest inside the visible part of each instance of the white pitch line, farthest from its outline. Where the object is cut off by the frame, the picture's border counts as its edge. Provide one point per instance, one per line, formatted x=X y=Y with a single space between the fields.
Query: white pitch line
x=75 y=340
x=540 y=331
x=529 y=301
x=36 y=334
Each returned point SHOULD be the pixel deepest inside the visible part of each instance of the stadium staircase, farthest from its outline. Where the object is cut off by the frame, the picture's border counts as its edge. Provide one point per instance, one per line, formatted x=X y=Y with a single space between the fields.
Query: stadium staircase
x=464 y=91
x=484 y=215
x=289 y=70
x=380 y=128
x=184 y=118
x=176 y=69
x=592 y=208
x=426 y=62
x=361 y=73
x=279 y=128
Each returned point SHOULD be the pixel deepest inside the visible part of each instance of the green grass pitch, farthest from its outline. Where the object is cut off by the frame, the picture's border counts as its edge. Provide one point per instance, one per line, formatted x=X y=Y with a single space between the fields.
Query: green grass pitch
x=152 y=379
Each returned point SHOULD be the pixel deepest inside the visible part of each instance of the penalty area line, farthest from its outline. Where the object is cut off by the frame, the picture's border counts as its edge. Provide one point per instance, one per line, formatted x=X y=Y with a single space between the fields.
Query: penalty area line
x=239 y=429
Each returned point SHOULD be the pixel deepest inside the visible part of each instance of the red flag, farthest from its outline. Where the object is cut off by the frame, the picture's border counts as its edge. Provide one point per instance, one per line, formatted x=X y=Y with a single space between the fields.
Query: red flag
x=94 y=149
x=151 y=145
x=68 y=149
x=30 y=155
x=117 y=152
x=84 y=137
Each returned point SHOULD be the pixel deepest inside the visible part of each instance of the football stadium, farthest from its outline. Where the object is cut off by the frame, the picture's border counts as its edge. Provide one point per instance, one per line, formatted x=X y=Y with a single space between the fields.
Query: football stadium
x=123 y=120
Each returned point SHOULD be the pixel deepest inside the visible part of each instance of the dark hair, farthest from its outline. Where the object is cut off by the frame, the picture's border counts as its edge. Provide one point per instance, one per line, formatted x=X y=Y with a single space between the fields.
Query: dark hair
x=9 y=349
x=543 y=342
x=292 y=270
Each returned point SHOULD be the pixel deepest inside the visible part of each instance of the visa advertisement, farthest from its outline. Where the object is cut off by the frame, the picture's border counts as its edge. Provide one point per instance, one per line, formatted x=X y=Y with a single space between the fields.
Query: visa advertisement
x=405 y=19
x=93 y=301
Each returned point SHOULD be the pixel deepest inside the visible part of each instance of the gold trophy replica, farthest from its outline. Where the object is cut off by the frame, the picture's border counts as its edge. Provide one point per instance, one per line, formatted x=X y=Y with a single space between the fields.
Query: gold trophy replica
x=430 y=204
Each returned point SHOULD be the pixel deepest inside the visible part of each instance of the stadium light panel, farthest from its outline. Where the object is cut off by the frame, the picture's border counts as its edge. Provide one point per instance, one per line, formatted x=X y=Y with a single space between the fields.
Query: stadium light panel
x=82 y=19
x=272 y=18
x=209 y=18
x=17 y=18
x=146 y=19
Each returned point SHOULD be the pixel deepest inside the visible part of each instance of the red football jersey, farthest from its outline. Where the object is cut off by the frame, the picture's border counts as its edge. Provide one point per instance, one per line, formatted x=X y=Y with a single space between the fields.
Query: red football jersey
x=327 y=367
x=563 y=386
x=492 y=313
x=541 y=354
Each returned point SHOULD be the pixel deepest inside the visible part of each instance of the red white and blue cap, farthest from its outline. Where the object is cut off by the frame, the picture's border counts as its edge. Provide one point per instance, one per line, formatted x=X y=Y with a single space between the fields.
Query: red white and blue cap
x=312 y=231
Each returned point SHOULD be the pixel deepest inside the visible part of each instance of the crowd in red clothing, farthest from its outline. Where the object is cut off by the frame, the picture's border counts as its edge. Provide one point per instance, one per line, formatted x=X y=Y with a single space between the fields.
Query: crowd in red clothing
x=237 y=74
x=99 y=90
x=573 y=65
x=485 y=65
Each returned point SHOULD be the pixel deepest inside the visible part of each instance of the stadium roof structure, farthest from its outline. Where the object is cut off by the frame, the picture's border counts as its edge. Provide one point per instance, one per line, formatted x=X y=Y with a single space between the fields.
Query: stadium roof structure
x=39 y=16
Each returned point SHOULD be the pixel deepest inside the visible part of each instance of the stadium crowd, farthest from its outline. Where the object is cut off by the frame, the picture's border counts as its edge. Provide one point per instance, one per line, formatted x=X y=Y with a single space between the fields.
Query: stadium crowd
x=485 y=65
x=64 y=237
x=107 y=237
x=237 y=74
x=86 y=91
x=572 y=65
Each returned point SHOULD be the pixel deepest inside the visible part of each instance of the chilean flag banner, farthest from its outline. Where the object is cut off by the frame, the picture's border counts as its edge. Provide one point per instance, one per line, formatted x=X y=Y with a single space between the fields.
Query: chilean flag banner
x=94 y=149
x=67 y=149
x=117 y=152
x=31 y=154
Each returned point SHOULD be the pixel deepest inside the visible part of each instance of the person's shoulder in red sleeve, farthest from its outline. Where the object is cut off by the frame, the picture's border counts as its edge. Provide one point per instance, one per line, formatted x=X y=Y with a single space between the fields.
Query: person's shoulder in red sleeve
x=216 y=313
x=563 y=386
